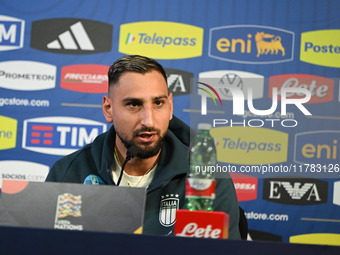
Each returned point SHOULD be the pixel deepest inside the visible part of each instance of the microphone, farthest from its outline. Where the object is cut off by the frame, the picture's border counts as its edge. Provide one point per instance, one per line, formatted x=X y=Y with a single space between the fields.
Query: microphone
x=131 y=152
x=93 y=179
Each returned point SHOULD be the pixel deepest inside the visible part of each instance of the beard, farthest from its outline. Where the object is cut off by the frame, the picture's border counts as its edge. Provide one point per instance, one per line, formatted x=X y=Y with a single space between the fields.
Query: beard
x=146 y=150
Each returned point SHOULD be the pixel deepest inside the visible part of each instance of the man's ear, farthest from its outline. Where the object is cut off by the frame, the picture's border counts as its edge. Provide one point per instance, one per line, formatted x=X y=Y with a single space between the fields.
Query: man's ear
x=107 y=108
x=171 y=105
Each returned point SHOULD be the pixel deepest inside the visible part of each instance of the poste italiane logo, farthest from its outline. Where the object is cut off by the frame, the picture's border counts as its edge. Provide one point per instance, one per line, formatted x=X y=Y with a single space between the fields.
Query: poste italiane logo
x=321 y=47
x=8 y=133
x=250 y=146
x=161 y=40
x=251 y=44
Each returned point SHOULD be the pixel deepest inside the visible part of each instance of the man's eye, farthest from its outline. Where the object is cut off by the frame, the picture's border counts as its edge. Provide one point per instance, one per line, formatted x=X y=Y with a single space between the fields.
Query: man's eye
x=133 y=104
x=159 y=102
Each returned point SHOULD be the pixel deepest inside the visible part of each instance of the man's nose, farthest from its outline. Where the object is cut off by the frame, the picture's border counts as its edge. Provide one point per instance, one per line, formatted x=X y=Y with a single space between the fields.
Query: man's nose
x=147 y=116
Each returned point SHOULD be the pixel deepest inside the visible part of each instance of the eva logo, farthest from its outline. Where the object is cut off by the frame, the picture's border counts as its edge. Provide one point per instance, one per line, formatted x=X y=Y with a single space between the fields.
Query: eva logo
x=85 y=78
x=23 y=171
x=250 y=146
x=11 y=33
x=71 y=36
x=295 y=191
x=245 y=186
x=317 y=147
x=179 y=82
x=8 y=133
x=161 y=40
x=59 y=135
x=251 y=44
x=27 y=75
x=321 y=47
x=321 y=88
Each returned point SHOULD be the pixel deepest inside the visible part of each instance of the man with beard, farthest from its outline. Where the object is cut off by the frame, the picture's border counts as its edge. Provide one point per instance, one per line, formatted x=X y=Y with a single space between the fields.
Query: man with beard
x=140 y=108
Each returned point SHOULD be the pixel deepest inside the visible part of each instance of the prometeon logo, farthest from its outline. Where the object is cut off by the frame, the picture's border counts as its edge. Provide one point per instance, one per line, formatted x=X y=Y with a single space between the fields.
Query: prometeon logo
x=294 y=191
x=27 y=75
x=318 y=147
x=321 y=47
x=321 y=88
x=11 y=33
x=71 y=36
x=85 y=78
x=161 y=40
x=251 y=44
x=59 y=135
x=179 y=82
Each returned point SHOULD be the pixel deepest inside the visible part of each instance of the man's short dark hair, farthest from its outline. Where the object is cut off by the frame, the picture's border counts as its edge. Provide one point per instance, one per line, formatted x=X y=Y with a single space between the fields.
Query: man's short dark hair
x=133 y=63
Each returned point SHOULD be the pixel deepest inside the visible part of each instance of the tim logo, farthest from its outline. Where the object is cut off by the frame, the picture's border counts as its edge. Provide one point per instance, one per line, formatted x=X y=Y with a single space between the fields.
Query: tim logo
x=179 y=82
x=11 y=33
x=317 y=147
x=71 y=36
x=295 y=191
x=85 y=78
x=167 y=210
x=59 y=135
x=251 y=44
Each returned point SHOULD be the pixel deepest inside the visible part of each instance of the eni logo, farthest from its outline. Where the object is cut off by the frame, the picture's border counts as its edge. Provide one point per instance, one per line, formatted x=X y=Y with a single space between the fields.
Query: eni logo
x=251 y=44
x=264 y=46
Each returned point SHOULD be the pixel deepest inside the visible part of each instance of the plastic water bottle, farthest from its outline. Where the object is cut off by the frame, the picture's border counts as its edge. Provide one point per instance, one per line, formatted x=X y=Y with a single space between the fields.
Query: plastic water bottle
x=200 y=183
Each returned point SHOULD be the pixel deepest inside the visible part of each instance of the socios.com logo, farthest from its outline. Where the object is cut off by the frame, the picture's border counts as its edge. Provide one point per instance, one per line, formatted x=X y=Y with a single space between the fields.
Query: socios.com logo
x=59 y=135
x=250 y=146
x=8 y=132
x=251 y=44
x=321 y=47
x=23 y=171
x=161 y=40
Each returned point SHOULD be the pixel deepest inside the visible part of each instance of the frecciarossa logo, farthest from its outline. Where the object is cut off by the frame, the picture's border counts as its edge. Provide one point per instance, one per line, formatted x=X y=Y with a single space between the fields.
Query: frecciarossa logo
x=59 y=135
x=161 y=40
x=321 y=88
x=85 y=78
x=251 y=44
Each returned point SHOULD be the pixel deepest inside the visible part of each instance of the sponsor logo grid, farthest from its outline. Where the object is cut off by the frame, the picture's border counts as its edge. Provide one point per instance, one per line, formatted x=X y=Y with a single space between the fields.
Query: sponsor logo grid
x=273 y=156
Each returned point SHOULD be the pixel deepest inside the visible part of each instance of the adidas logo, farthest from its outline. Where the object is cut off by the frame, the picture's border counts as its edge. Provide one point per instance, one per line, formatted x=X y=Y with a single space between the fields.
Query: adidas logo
x=70 y=39
x=71 y=36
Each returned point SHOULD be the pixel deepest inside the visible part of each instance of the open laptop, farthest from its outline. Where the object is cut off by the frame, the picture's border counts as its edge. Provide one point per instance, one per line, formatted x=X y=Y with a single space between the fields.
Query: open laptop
x=72 y=206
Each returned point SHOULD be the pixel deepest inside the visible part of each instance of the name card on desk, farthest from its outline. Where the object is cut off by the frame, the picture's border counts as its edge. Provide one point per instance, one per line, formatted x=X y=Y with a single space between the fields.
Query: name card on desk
x=202 y=224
